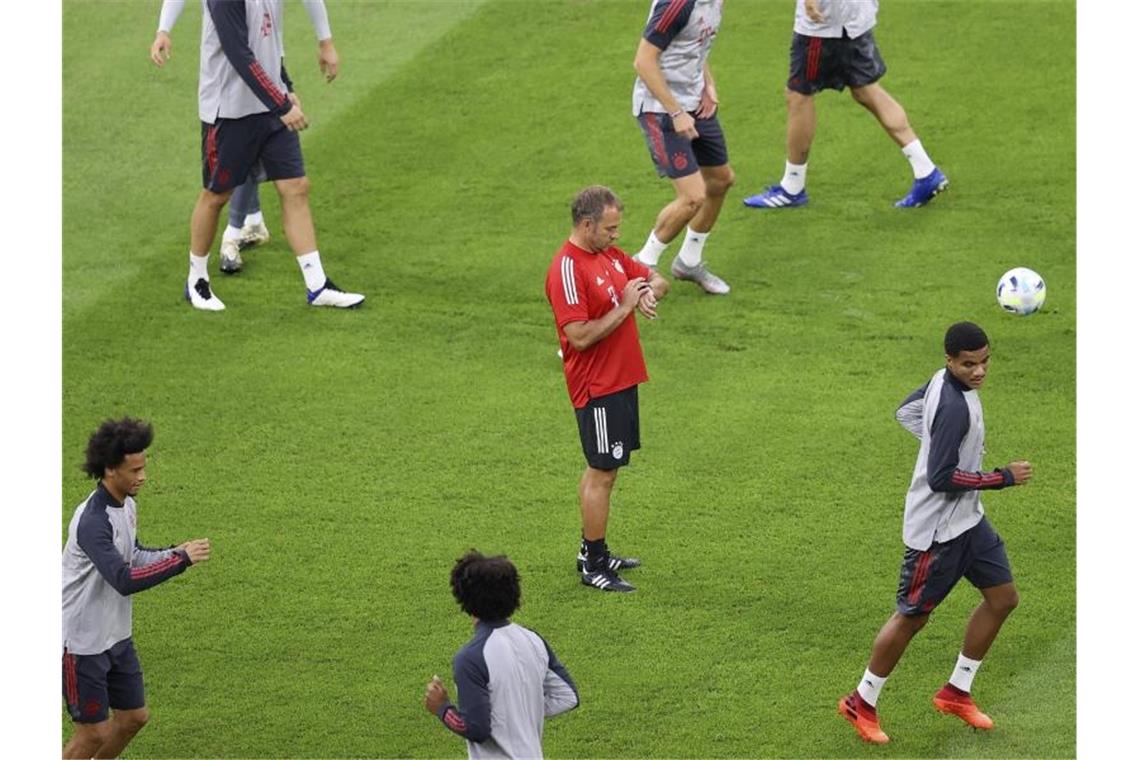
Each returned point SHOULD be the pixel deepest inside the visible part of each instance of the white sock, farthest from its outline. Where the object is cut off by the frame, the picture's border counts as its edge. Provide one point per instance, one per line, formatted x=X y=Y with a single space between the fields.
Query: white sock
x=651 y=251
x=870 y=687
x=254 y=218
x=690 y=254
x=231 y=233
x=795 y=175
x=919 y=161
x=964 y=672
x=312 y=270
x=198 y=270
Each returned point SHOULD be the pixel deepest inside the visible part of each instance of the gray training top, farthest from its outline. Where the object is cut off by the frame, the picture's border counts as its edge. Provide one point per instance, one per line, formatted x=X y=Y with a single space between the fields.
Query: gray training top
x=509 y=682
x=684 y=31
x=103 y=564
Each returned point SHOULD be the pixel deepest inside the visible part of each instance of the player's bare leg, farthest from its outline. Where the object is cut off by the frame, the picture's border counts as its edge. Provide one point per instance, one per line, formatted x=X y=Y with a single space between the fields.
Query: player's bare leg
x=801 y=126
x=297 y=219
x=691 y=197
x=717 y=181
x=204 y=220
x=689 y=264
x=892 y=641
x=594 y=496
x=987 y=620
x=87 y=739
x=125 y=724
x=886 y=109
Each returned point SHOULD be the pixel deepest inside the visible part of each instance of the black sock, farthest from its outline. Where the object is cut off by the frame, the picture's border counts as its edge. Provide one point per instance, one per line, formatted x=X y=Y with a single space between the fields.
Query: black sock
x=595 y=552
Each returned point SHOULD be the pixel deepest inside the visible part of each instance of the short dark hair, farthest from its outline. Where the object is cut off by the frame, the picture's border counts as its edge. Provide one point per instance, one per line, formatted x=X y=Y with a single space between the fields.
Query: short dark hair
x=110 y=444
x=486 y=587
x=964 y=336
x=592 y=202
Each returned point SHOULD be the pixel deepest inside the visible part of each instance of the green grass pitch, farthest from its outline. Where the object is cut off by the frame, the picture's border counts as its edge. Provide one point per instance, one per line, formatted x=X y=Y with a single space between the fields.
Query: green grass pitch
x=341 y=461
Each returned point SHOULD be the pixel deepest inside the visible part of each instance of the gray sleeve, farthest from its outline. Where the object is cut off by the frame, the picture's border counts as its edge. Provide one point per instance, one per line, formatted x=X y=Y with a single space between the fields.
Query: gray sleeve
x=168 y=16
x=319 y=16
x=558 y=690
x=909 y=413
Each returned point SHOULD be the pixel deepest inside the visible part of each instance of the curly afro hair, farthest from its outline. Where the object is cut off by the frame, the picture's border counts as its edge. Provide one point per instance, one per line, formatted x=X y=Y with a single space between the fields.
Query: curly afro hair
x=486 y=587
x=110 y=444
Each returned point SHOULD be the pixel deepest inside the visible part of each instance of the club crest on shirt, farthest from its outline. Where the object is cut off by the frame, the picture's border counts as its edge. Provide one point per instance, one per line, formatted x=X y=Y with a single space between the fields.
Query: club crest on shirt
x=617 y=265
x=266 y=24
x=600 y=281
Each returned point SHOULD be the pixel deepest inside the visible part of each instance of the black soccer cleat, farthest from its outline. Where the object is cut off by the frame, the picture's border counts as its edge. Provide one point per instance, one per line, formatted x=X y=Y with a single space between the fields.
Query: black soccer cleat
x=613 y=562
x=606 y=580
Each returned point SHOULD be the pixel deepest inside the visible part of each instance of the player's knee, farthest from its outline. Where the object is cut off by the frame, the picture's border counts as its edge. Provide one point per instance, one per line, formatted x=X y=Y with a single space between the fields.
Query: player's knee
x=691 y=202
x=1007 y=602
x=914 y=623
x=216 y=200
x=298 y=187
x=720 y=184
x=134 y=720
x=796 y=100
x=95 y=735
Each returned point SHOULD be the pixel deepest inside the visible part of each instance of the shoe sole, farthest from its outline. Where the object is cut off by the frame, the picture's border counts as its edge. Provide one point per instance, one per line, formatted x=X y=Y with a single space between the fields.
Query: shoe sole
x=229 y=270
x=843 y=713
x=949 y=708
x=765 y=207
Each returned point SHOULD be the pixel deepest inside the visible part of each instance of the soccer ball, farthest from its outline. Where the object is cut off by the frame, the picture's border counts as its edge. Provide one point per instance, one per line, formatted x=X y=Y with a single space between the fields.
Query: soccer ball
x=1021 y=291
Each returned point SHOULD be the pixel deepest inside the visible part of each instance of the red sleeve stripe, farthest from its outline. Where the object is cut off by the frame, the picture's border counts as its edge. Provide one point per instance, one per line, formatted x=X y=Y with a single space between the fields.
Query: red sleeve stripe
x=138 y=573
x=453 y=721
x=976 y=479
x=264 y=80
x=669 y=15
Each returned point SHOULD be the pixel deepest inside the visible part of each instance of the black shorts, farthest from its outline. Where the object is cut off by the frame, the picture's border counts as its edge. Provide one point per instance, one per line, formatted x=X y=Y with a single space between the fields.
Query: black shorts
x=927 y=577
x=677 y=156
x=260 y=144
x=834 y=62
x=92 y=683
x=609 y=427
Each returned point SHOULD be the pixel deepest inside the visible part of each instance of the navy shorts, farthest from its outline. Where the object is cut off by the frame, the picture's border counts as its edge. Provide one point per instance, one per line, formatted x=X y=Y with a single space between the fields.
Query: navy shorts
x=927 y=577
x=610 y=429
x=677 y=156
x=260 y=144
x=834 y=63
x=92 y=683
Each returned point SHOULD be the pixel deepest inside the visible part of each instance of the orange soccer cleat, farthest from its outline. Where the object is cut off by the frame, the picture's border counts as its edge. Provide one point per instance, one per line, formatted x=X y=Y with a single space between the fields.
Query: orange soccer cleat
x=858 y=713
x=954 y=701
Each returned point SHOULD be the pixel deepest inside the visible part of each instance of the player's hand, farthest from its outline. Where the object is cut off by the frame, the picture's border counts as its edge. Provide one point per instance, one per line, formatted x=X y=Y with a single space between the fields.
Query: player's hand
x=684 y=125
x=435 y=696
x=709 y=102
x=197 y=550
x=632 y=293
x=295 y=99
x=1021 y=471
x=161 y=47
x=813 y=11
x=295 y=119
x=647 y=304
x=328 y=60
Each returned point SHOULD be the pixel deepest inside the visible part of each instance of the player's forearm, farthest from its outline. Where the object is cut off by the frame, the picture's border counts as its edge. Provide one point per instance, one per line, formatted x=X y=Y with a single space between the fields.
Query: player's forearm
x=465 y=725
x=583 y=335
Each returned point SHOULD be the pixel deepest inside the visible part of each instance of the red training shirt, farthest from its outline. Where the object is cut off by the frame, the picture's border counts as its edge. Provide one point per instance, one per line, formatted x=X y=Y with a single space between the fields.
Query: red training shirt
x=582 y=286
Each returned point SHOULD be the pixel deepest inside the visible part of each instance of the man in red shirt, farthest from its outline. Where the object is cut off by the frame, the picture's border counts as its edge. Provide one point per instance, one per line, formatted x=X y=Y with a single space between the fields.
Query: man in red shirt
x=593 y=288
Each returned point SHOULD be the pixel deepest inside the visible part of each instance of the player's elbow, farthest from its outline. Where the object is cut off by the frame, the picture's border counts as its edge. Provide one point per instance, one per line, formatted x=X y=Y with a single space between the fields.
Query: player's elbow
x=478 y=733
x=939 y=482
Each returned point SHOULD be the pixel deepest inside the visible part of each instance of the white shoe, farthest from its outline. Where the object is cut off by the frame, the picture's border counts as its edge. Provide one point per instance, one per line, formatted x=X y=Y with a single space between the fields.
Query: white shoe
x=229 y=256
x=330 y=295
x=253 y=234
x=201 y=297
x=701 y=275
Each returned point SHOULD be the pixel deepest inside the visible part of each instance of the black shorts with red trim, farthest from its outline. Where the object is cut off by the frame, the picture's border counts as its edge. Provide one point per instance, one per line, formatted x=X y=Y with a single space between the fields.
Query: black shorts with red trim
x=677 y=156
x=92 y=683
x=610 y=428
x=978 y=555
x=819 y=63
x=260 y=143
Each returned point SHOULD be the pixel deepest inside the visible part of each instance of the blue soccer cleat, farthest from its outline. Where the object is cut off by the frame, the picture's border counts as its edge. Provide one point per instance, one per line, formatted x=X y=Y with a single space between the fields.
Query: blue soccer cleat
x=924 y=190
x=777 y=197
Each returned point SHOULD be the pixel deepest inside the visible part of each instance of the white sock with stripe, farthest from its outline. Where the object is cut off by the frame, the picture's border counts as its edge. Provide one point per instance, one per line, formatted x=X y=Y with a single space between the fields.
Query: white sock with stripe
x=254 y=218
x=198 y=269
x=231 y=233
x=870 y=687
x=312 y=270
x=651 y=252
x=964 y=672
x=795 y=176
x=919 y=161
x=691 y=249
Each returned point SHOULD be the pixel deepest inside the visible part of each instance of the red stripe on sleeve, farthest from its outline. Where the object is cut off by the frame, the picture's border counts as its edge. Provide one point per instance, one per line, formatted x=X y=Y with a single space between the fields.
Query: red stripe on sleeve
x=138 y=573
x=264 y=80
x=669 y=15
x=453 y=721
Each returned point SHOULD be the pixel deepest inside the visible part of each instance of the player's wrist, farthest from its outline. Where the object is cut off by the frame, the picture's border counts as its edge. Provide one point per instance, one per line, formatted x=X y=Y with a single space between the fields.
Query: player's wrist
x=677 y=113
